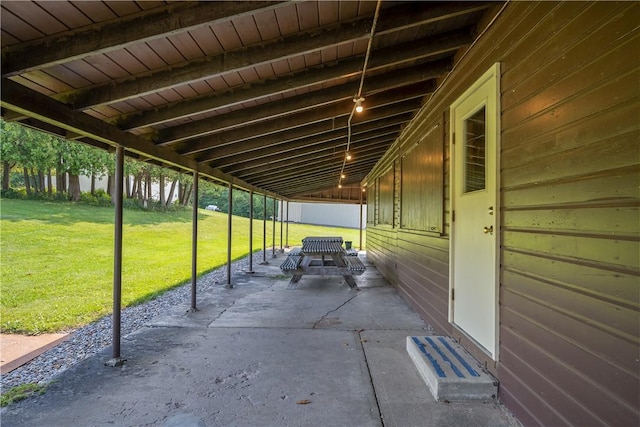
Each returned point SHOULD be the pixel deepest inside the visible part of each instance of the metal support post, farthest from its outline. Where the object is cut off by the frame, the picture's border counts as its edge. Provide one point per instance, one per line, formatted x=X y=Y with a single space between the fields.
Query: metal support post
x=117 y=258
x=287 y=228
x=273 y=246
x=264 y=231
x=194 y=241
x=361 y=223
x=229 y=230
x=250 y=233
x=281 y=224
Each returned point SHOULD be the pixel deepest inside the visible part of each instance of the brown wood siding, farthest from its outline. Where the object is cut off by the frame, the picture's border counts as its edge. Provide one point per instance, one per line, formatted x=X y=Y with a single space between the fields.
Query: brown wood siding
x=570 y=211
x=423 y=272
x=381 y=250
x=569 y=288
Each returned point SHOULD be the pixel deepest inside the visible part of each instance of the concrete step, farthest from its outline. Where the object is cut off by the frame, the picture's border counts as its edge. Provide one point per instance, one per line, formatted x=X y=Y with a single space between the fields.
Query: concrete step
x=451 y=373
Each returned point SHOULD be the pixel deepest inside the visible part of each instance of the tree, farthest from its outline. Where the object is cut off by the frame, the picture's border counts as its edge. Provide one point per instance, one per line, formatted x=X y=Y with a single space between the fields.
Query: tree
x=215 y=194
x=42 y=157
x=99 y=163
x=185 y=187
x=39 y=156
x=173 y=176
x=11 y=148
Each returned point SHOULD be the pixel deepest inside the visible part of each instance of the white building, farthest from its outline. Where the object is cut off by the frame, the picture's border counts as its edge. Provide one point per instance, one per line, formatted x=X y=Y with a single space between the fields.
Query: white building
x=331 y=214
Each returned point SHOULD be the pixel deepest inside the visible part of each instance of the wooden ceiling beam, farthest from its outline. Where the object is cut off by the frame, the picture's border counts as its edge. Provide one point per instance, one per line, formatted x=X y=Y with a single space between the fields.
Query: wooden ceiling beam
x=299 y=148
x=312 y=134
x=348 y=194
x=308 y=182
x=203 y=68
x=328 y=162
x=282 y=48
x=30 y=103
x=327 y=166
x=407 y=16
x=302 y=151
x=237 y=153
x=301 y=135
x=360 y=131
x=331 y=173
x=120 y=33
x=12 y=116
x=420 y=79
x=329 y=159
x=397 y=56
x=295 y=126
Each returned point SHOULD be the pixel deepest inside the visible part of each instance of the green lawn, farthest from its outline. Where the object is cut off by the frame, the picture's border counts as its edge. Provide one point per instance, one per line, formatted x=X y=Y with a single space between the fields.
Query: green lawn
x=57 y=258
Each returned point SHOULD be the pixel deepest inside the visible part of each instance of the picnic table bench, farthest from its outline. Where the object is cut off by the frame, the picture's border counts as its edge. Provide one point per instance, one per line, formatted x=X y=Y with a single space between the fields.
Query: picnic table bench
x=322 y=256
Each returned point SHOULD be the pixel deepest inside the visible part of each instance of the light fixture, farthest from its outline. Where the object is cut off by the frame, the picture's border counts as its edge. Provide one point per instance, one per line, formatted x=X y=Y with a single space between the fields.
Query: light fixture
x=358 y=99
x=342 y=176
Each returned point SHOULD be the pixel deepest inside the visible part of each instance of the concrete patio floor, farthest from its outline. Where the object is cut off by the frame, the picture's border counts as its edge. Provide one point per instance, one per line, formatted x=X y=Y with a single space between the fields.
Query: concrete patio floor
x=262 y=355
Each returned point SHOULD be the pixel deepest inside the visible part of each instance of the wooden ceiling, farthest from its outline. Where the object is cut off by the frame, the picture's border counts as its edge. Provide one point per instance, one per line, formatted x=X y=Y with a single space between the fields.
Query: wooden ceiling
x=254 y=93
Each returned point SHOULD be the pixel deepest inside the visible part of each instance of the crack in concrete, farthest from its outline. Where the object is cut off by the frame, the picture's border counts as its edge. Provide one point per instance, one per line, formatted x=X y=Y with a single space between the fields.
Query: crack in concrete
x=333 y=311
x=373 y=386
x=222 y=312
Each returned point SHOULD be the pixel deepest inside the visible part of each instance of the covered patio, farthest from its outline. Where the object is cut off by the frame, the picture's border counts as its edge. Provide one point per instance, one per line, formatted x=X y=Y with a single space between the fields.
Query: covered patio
x=263 y=355
x=262 y=97
x=532 y=105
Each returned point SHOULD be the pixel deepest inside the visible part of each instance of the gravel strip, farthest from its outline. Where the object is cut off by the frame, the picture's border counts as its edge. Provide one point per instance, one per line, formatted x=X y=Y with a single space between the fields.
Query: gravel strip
x=90 y=339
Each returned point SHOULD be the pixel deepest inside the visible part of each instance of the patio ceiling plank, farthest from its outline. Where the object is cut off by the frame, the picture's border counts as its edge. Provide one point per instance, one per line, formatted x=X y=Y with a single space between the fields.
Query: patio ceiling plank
x=41 y=107
x=332 y=139
x=301 y=158
x=421 y=78
x=393 y=19
x=286 y=169
x=386 y=58
x=300 y=148
x=323 y=120
x=118 y=34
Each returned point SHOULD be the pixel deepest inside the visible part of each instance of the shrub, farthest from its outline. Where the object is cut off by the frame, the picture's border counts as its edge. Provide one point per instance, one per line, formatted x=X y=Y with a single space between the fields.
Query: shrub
x=103 y=198
x=12 y=193
x=99 y=198
x=132 y=204
x=87 y=198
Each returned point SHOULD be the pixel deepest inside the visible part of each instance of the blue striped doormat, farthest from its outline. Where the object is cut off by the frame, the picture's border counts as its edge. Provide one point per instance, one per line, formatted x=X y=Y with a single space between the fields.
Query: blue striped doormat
x=451 y=373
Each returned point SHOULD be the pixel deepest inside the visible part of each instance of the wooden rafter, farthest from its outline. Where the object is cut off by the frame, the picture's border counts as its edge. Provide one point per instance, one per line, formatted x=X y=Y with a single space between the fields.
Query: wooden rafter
x=120 y=33
x=32 y=104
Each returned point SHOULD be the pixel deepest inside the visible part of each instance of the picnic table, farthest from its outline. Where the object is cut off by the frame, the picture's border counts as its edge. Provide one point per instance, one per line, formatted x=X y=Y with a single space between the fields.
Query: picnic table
x=322 y=256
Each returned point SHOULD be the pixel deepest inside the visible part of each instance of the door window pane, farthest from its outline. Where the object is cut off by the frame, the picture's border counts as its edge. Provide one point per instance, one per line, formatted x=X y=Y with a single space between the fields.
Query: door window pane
x=475 y=163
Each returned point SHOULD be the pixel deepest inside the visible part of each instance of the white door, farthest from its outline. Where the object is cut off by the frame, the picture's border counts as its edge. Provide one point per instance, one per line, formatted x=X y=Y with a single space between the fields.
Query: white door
x=474 y=226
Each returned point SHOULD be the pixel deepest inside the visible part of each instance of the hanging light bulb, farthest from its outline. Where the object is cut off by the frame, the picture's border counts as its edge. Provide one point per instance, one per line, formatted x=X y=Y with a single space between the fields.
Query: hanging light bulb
x=348 y=156
x=359 y=107
x=343 y=176
x=339 y=185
